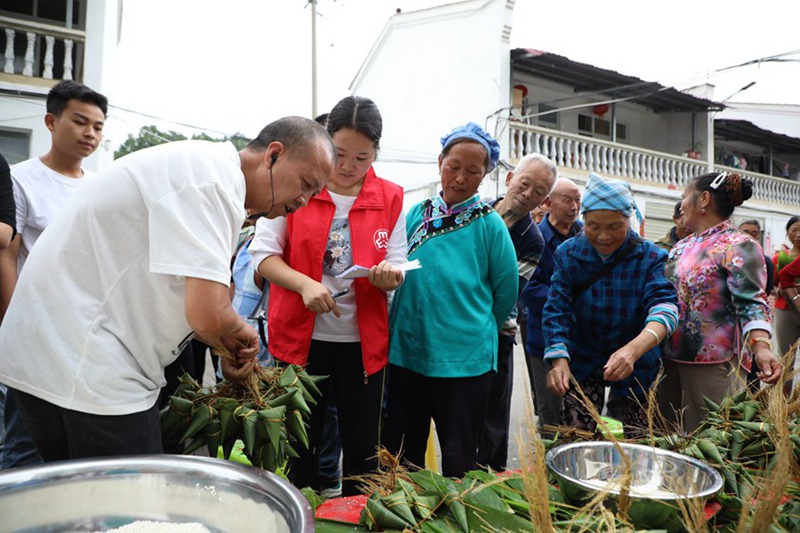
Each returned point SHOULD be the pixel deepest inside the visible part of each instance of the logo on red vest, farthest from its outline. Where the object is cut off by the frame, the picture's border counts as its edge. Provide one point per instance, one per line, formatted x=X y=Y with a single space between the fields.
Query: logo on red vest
x=381 y=239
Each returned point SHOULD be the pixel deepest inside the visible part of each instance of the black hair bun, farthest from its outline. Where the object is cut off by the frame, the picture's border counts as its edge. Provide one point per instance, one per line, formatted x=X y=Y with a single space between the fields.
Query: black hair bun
x=747 y=190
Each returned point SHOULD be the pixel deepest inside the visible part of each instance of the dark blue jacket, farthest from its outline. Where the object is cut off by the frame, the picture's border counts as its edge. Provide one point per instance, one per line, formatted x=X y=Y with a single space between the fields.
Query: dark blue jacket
x=528 y=244
x=534 y=294
x=611 y=312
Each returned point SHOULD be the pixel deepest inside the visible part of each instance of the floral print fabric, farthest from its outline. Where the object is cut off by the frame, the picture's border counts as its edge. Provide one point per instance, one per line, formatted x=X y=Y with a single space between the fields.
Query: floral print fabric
x=438 y=219
x=339 y=251
x=720 y=277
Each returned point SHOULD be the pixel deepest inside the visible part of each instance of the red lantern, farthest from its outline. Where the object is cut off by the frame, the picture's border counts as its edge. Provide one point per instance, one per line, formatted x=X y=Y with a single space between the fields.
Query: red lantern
x=600 y=109
x=523 y=89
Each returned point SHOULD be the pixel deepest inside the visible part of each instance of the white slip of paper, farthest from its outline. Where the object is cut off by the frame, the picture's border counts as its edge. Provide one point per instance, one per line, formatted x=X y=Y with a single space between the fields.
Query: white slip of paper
x=357 y=271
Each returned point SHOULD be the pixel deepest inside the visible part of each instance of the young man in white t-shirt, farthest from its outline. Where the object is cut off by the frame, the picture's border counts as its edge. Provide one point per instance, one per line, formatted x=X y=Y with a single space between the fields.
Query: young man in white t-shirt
x=42 y=186
x=133 y=268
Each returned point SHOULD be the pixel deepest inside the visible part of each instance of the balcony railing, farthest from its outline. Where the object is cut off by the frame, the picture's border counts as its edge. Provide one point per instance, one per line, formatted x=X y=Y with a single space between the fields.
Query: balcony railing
x=588 y=154
x=39 y=50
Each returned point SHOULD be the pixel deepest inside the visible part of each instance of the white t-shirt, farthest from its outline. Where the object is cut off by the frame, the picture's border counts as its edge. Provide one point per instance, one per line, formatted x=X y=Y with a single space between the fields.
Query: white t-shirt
x=98 y=311
x=40 y=193
x=270 y=239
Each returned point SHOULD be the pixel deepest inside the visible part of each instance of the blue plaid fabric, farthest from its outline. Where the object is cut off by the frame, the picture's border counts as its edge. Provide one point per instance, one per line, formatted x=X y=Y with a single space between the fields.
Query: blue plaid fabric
x=610 y=313
x=611 y=194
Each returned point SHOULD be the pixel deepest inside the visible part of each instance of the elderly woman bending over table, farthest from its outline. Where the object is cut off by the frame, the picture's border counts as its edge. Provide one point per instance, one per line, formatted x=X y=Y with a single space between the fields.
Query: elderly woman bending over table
x=608 y=309
x=444 y=322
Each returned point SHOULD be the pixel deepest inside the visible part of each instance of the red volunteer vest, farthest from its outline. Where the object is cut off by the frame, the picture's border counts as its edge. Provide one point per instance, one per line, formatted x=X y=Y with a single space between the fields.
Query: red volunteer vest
x=372 y=219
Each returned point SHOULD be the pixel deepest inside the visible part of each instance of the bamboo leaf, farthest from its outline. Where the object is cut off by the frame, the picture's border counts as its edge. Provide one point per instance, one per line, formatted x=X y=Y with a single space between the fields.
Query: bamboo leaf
x=200 y=418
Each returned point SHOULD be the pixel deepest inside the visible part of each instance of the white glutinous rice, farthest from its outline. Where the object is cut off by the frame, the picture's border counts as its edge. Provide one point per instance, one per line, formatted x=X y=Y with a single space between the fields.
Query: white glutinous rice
x=148 y=526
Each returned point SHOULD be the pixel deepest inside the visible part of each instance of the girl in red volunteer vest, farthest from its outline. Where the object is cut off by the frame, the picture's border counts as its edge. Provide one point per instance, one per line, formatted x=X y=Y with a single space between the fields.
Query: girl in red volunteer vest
x=356 y=220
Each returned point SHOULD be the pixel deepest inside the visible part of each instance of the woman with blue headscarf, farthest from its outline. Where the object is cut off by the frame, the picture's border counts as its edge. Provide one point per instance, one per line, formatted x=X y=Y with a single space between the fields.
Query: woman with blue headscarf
x=608 y=309
x=443 y=328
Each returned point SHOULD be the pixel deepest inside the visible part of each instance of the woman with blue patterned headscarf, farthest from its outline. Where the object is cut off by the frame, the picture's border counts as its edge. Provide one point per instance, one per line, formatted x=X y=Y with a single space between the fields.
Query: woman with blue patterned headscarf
x=608 y=309
x=443 y=328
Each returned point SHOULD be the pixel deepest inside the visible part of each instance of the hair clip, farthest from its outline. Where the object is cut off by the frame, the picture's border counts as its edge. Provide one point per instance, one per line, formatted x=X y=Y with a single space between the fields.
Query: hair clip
x=719 y=180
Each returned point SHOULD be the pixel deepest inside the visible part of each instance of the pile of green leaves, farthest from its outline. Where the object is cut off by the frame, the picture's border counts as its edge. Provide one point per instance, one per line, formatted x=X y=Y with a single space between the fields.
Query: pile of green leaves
x=269 y=415
x=481 y=501
x=753 y=440
x=738 y=438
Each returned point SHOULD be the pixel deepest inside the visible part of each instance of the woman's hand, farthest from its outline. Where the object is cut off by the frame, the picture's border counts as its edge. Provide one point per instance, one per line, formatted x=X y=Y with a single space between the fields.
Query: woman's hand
x=385 y=276
x=318 y=299
x=620 y=364
x=769 y=368
x=558 y=377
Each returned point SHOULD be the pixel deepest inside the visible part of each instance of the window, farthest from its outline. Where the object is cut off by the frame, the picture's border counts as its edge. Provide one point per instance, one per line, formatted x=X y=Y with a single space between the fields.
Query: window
x=49 y=11
x=15 y=145
x=585 y=124
x=622 y=132
x=550 y=118
x=659 y=220
x=600 y=127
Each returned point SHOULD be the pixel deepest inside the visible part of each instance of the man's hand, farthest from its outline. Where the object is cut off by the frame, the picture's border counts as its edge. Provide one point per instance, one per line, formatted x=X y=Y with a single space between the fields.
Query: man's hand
x=242 y=343
x=385 y=276
x=236 y=371
x=620 y=364
x=558 y=377
x=318 y=299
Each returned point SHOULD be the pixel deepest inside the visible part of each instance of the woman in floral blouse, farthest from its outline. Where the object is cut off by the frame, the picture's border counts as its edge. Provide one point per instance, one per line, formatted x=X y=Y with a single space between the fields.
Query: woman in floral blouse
x=724 y=320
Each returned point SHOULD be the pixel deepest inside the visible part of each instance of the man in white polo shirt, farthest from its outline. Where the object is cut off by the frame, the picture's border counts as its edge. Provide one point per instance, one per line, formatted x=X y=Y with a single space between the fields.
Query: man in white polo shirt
x=137 y=264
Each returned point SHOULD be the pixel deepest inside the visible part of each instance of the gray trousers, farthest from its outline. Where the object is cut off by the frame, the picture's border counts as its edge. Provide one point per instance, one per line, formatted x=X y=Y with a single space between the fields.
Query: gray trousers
x=547 y=404
x=680 y=395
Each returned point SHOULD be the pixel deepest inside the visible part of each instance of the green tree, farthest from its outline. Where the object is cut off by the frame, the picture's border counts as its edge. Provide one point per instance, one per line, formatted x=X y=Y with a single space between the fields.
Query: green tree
x=151 y=136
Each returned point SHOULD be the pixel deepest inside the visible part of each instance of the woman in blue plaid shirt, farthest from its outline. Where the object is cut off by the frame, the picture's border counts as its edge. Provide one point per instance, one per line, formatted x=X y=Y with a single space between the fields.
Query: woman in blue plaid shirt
x=606 y=329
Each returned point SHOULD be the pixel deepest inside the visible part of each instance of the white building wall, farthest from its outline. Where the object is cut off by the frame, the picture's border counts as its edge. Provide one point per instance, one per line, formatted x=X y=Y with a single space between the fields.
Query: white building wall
x=102 y=34
x=433 y=70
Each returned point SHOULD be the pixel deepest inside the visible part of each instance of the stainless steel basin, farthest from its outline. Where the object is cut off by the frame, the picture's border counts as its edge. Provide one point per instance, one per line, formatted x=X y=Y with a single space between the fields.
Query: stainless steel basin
x=660 y=479
x=101 y=494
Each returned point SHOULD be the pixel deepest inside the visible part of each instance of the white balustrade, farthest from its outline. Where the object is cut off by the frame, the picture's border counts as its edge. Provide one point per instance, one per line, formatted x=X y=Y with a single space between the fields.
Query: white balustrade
x=27 y=70
x=48 y=57
x=9 y=55
x=40 y=36
x=587 y=154
x=68 y=44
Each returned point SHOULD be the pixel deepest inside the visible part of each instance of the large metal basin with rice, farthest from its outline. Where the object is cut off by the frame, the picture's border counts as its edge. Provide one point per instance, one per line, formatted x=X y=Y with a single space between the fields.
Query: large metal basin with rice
x=101 y=494
x=660 y=480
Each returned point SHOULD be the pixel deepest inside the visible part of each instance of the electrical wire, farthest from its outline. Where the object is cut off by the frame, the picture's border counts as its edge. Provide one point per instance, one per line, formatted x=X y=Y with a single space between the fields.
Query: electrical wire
x=184 y=124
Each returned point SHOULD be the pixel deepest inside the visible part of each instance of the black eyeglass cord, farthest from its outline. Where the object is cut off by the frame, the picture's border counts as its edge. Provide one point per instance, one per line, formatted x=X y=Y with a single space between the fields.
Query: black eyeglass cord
x=272 y=192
